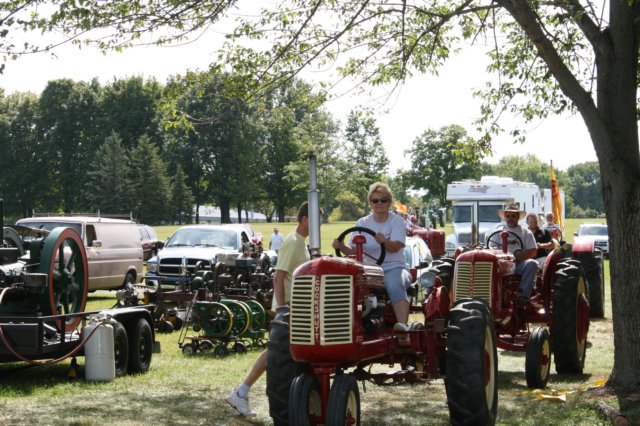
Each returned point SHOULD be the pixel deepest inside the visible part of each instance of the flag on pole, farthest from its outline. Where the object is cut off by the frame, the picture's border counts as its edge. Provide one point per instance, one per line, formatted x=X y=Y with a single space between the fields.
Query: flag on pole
x=556 y=201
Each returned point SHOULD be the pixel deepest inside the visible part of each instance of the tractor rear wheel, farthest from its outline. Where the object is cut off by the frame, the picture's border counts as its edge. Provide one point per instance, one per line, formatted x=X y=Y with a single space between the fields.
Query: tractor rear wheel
x=472 y=364
x=538 y=358
x=594 y=271
x=305 y=399
x=281 y=368
x=570 y=325
x=445 y=271
x=343 y=407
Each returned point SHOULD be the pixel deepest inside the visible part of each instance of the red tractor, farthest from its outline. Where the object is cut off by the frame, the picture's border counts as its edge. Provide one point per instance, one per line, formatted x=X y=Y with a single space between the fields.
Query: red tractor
x=558 y=305
x=340 y=324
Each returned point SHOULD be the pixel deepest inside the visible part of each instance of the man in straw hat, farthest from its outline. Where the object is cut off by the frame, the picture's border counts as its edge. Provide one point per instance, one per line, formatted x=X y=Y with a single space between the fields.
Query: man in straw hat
x=526 y=266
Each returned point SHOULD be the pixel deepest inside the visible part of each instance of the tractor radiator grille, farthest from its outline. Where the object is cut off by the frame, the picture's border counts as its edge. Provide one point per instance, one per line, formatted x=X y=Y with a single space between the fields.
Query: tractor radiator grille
x=328 y=312
x=171 y=266
x=473 y=280
x=301 y=320
x=336 y=309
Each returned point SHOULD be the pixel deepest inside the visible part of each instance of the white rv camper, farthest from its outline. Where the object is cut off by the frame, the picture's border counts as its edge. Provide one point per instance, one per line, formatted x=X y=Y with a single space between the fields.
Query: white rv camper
x=478 y=202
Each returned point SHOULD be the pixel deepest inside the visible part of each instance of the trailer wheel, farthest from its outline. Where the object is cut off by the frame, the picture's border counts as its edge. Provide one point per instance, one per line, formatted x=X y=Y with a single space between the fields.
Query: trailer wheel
x=140 y=347
x=120 y=349
x=205 y=346
x=221 y=350
x=472 y=364
x=343 y=407
x=304 y=399
x=189 y=349
x=281 y=368
x=570 y=325
x=538 y=358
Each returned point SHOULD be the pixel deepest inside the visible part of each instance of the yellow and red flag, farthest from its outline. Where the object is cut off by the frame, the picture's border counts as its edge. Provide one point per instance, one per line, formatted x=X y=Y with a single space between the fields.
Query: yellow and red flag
x=556 y=201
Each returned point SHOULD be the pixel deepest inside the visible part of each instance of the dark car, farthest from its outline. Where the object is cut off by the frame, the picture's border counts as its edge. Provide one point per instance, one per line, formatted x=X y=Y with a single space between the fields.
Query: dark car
x=150 y=242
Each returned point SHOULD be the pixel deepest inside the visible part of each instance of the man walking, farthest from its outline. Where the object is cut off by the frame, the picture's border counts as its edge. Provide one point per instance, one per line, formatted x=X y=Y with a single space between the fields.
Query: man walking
x=275 y=242
x=293 y=253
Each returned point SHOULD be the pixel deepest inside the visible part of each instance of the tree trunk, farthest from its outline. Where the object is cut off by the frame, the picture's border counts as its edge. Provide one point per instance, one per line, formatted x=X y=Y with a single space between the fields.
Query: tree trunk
x=619 y=159
x=613 y=127
x=239 y=213
x=225 y=217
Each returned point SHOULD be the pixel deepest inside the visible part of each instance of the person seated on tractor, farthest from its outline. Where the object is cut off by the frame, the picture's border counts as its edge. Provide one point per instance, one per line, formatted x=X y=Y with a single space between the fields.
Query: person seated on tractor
x=552 y=227
x=390 y=232
x=523 y=247
x=544 y=242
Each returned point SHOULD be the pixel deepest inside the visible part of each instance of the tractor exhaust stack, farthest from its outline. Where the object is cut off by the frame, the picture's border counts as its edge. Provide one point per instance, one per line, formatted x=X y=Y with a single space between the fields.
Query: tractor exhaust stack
x=314 y=206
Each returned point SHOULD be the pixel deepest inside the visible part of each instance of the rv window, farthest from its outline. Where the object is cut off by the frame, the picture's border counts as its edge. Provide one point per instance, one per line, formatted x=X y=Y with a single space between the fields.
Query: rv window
x=489 y=213
x=462 y=214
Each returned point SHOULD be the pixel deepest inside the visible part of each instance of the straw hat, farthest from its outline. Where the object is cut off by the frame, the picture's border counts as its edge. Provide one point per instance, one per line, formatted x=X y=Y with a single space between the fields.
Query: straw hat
x=513 y=207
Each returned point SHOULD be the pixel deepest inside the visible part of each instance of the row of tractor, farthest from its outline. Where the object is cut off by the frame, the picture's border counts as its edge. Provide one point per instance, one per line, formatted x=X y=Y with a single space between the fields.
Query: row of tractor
x=340 y=324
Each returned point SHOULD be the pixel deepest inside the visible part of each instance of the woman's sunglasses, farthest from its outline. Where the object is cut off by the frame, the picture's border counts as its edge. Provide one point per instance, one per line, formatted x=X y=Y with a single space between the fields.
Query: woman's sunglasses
x=378 y=200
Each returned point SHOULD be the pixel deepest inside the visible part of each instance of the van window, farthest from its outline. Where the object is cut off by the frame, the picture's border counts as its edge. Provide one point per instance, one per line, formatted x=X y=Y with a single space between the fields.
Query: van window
x=91 y=235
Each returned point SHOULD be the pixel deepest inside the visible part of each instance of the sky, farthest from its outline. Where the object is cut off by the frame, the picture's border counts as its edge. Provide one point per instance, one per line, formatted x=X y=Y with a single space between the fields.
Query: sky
x=423 y=102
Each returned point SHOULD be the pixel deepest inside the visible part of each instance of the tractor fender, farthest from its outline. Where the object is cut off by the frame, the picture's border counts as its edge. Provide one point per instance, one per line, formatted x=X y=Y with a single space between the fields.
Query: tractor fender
x=438 y=303
x=582 y=245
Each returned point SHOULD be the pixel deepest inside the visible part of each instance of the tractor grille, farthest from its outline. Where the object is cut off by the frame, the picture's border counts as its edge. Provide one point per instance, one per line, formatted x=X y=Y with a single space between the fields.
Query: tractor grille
x=301 y=320
x=332 y=317
x=171 y=266
x=473 y=280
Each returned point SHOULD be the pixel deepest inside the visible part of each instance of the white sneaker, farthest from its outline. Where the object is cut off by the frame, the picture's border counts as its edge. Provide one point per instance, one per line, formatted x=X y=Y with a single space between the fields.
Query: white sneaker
x=240 y=404
x=403 y=336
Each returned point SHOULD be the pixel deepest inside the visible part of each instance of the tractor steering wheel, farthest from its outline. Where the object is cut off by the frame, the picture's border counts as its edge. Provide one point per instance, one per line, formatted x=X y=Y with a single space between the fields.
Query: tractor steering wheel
x=361 y=229
x=499 y=232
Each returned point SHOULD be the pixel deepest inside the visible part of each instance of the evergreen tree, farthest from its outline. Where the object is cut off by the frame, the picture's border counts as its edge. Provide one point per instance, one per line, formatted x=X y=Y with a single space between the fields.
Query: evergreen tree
x=181 y=198
x=108 y=188
x=149 y=184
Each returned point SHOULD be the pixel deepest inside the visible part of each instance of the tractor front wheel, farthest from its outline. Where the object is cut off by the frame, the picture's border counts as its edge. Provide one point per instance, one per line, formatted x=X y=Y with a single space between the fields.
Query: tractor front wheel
x=472 y=364
x=538 y=358
x=570 y=325
x=343 y=407
x=305 y=399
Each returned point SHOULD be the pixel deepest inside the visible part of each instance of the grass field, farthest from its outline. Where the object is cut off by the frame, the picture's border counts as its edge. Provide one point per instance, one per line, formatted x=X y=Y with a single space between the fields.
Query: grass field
x=180 y=390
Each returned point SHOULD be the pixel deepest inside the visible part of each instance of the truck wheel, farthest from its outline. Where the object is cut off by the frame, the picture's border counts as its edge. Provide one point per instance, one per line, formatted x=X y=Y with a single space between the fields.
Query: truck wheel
x=129 y=279
x=140 y=347
x=472 y=364
x=343 y=407
x=281 y=368
x=120 y=349
x=592 y=264
x=570 y=325
x=304 y=399
x=538 y=358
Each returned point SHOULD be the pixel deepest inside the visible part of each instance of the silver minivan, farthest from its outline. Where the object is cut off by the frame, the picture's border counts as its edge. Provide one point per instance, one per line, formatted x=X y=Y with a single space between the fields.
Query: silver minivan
x=114 y=250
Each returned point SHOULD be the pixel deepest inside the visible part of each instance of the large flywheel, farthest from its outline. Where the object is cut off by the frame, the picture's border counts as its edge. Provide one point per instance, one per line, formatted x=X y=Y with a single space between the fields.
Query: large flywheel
x=64 y=260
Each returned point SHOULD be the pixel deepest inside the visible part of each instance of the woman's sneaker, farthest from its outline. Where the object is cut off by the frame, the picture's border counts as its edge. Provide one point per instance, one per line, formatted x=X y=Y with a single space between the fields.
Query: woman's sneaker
x=240 y=404
x=403 y=335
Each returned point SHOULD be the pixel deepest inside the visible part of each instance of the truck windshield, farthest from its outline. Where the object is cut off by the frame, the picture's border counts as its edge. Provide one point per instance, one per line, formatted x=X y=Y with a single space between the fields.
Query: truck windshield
x=487 y=213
